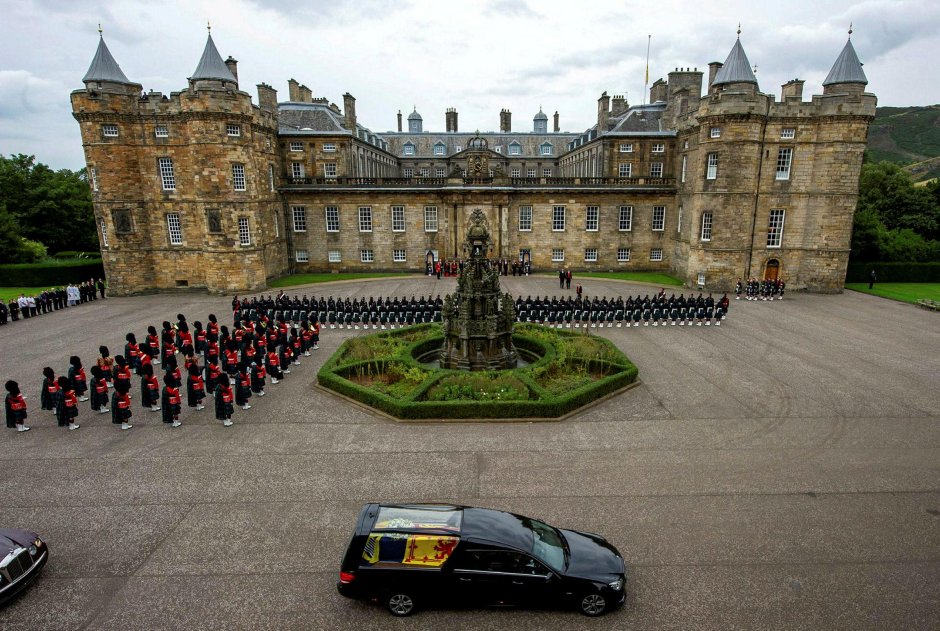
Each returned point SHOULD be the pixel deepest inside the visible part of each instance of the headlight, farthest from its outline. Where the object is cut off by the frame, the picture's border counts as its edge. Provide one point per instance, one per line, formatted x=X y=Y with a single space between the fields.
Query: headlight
x=38 y=542
x=616 y=585
x=32 y=551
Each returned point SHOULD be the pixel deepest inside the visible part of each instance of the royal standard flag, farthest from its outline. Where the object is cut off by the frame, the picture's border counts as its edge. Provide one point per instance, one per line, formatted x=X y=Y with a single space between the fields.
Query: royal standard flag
x=429 y=550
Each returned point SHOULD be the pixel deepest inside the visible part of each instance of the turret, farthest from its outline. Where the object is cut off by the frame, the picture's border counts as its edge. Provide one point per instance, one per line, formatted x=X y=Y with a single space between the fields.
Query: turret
x=212 y=73
x=736 y=74
x=846 y=75
x=105 y=75
x=540 y=122
x=415 y=122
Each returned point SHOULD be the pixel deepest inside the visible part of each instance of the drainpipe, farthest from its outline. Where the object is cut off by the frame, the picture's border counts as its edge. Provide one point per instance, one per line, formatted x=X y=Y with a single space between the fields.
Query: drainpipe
x=760 y=170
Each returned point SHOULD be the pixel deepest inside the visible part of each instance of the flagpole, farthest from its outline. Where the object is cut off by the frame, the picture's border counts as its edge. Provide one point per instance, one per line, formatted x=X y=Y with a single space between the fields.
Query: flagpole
x=646 y=77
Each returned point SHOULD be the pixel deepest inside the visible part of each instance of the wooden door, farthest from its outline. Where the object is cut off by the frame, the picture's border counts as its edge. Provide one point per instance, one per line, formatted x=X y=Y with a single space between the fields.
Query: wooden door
x=771 y=269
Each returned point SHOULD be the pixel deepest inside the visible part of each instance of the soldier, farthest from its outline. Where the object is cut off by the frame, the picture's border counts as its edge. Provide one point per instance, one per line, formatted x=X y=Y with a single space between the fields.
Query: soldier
x=152 y=347
x=257 y=374
x=213 y=370
x=106 y=364
x=77 y=377
x=149 y=389
x=173 y=371
x=224 y=398
x=121 y=405
x=274 y=365
x=243 y=386
x=99 y=391
x=172 y=404
x=132 y=352
x=738 y=288
x=122 y=371
x=50 y=389
x=66 y=405
x=195 y=388
x=15 y=407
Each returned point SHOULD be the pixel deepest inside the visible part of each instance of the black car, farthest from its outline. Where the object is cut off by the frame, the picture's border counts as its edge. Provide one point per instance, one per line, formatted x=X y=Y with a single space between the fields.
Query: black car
x=422 y=555
x=22 y=555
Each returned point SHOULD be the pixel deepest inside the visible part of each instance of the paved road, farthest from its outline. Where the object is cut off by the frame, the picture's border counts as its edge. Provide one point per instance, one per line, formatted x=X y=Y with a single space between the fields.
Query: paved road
x=781 y=471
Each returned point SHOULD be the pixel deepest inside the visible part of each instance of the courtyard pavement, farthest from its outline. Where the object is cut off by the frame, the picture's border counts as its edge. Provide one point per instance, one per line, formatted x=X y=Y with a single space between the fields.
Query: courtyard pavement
x=781 y=471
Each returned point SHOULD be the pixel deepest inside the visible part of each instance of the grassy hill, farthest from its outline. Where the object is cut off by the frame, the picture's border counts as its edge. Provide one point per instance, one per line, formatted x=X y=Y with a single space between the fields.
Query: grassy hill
x=909 y=136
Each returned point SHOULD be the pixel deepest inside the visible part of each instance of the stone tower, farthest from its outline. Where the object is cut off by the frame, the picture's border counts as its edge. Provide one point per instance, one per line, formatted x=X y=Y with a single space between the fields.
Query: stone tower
x=184 y=186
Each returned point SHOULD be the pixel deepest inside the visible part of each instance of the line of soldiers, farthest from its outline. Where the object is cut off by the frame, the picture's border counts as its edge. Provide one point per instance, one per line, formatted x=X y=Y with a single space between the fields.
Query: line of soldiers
x=232 y=366
x=53 y=299
x=387 y=312
x=598 y=312
x=760 y=289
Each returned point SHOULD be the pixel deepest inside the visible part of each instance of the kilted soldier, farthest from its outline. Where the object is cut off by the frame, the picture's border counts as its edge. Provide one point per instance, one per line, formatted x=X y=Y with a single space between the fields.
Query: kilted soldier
x=3 y=312
x=231 y=358
x=738 y=288
x=189 y=358
x=99 y=391
x=699 y=310
x=257 y=373
x=183 y=336
x=15 y=406
x=273 y=365
x=709 y=310
x=212 y=326
x=153 y=344
x=673 y=310
x=66 y=405
x=77 y=378
x=132 y=352
x=173 y=371
x=647 y=312
x=168 y=341
x=50 y=389
x=285 y=356
x=723 y=305
x=315 y=334
x=212 y=347
x=122 y=372
x=657 y=312
x=172 y=404
x=213 y=371
x=199 y=338
x=121 y=406
x=243 y=387
x=306 y=338
x=195 y=388
x=296 y=346
x=106 y=364
x=637 y=312
x=149 y=389
x=783 y=286
x=224 y=407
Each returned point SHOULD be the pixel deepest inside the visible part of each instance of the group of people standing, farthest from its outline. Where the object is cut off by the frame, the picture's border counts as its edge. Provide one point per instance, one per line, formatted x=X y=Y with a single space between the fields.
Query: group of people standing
x=760 y=289
x=229 y=365
x=26 y=307
x=598 y=312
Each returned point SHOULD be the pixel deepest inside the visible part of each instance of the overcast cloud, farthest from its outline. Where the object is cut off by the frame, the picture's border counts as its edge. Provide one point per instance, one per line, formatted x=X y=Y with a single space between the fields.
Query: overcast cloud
x=477 y=56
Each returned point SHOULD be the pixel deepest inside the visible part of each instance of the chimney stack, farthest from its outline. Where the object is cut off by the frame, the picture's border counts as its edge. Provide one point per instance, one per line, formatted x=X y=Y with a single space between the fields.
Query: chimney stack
x=713 y=69
x=603 y=112
x=557 y=128
x=293 y=91
x=450 y=119
x=232 y=64
x=267 y=98
x=505 y=121
x=399 y=121
x=349 y=111
x=792 y=89
x=659 y=91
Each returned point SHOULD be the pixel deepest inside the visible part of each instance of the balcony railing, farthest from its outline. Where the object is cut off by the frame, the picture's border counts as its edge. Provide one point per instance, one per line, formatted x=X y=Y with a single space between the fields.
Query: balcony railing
x=440 y=182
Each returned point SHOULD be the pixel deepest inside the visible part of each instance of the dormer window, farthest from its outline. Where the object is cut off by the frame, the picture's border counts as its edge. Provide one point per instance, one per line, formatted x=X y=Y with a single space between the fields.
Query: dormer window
x=498 y=149
x=439 y=149
x=458 y=149
x=408 y=149
x=515 y=149
x=233 y=130
x=545 y=149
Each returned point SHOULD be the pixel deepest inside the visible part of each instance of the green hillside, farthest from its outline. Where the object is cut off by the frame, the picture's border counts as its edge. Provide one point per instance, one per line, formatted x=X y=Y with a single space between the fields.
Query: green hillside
x=909 y=136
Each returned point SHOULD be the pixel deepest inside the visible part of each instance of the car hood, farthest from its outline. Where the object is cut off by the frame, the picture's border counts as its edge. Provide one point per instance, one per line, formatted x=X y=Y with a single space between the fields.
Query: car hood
x=12 y=538
x=592 y=556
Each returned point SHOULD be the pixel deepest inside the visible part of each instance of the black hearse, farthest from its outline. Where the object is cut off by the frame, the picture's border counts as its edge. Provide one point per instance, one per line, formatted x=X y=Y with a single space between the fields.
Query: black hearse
x=22 y=555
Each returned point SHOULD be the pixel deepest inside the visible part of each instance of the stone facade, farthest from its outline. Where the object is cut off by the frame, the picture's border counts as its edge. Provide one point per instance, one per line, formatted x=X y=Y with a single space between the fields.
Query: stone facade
x=776 y=183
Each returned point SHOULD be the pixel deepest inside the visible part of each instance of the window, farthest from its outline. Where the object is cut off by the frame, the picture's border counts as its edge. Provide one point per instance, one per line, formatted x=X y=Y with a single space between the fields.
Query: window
x=458 y=148
x=408 y=149
x=525 y=218
x=590 y=255
x=625 y=169
x=398 y=256
x=700 y=281
x=498 y=148
x=515 y=172
x=591 y=219
x=329 y=169
x=558 y=255
x=174 y=229
x=558 y=218
x=334 y=256
x=659 y=218
x=438 y=150
x=784 y=157
x=685 y=144
x=788 y=132
x=297 y=169
x=685 y=163
x=109 y=131
x=332 y=219
x=329 y=147
x=626 y=147
x=430 y=218
x=439 y=172
x=625 y=223
x=530 y=173
x=714 y=132
x=515 y=149
x=365 y=219
x=244 y=231
x=679 y=220
x=366 y=256
x=300 y=218
x=271 y=176
x=233 y=130
x=656 y=169
x=656 y=254
x=545 y=149
x=623 y=255
x=546 y=172
x=711 y=171
x=238 y=177
x=104 y=232
x=408 y=172
x=301 y=256
x=93 y=173
x=296 y=146
x=775 y=229
x=706 y=226
x=424 y=172
x=161 y=131
x=277 y=224
x=658 y=147
x=167 y=177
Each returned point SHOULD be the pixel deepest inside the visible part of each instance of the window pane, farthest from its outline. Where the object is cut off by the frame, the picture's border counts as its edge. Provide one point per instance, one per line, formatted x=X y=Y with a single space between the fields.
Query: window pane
x=623 y=255
x=591 y=218
x=558 y=255
x=244 y=233
x=430 y=218
x=398 y=218
x=365 y=219
x=301 y=256
x=706 y=226
x=656 y=254
x=332 y=219
x=366 y=256
x=300 y=218
x=525 y=218
x=333 y=256
x=784 y=156
x=659 y=217
x=711 y=171
x=558 y=218
x=167 y=176
x=173 y=227
x=775 y=228
x=238 y=177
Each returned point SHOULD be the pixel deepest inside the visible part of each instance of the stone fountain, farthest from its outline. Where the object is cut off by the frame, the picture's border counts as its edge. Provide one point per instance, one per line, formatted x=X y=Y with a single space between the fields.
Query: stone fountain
x=477 y=318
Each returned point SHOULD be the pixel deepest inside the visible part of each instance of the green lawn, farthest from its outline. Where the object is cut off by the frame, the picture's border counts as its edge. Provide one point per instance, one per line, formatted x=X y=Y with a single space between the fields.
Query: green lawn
x=308 y=279
x=14 y=292
x=905 y=292
x=655 y=278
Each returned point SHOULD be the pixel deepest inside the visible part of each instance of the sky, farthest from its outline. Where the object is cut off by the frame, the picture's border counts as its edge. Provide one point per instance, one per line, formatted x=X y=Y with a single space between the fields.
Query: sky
x=478 y=56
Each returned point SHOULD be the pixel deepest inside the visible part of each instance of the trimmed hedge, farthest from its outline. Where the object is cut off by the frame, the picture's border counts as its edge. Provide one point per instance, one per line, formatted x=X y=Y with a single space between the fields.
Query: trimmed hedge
x=542 y=403
x=894 y=272
x=49 y=274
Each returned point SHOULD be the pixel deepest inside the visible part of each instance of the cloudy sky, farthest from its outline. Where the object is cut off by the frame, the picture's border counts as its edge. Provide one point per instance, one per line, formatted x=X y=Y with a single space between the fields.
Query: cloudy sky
x=477 y=55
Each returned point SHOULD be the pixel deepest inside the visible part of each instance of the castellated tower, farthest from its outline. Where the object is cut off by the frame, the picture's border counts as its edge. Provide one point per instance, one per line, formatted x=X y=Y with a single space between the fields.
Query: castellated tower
x=768 y=188
x=184 y=186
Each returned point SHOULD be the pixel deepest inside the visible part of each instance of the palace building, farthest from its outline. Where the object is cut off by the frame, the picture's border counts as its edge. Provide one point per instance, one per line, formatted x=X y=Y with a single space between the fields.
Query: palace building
x=713 y=181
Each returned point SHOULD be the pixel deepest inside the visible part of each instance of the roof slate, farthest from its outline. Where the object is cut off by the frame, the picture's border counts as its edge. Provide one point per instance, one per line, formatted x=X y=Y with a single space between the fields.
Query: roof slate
x=847 y=68
x=737 y=68
x=211 y=65
x=104 y=68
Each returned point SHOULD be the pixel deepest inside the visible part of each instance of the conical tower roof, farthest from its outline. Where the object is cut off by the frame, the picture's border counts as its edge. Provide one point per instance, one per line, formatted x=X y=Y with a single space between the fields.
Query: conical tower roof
x=211 y=65
x=847 y=69
x=737 y=68
x=540 y=116
x=414 y=116
x=104 y=68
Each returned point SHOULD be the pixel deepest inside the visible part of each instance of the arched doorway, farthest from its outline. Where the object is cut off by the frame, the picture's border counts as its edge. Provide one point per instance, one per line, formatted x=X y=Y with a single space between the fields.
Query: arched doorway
x=771 y=269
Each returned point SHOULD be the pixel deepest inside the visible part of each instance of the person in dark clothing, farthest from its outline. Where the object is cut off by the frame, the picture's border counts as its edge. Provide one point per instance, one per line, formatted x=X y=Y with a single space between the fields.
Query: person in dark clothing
x=121 y=405
x=50 y=389
x=77 y=378
x=224 y=407
x=15 y=406
x=149 y=389
x=195 y=388
x=66 y=405
x=872 y=277
x=99 y=391
x=101 y=287
x=171 y=402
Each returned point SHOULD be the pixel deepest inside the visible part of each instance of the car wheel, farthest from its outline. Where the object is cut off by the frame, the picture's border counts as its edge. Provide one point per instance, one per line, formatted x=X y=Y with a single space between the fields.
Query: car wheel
x=400 y=604
x=593 y=605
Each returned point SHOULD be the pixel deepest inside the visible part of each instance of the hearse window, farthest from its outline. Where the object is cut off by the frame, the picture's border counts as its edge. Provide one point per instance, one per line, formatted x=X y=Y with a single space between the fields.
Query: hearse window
x=500 y=561
x=420 y=519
